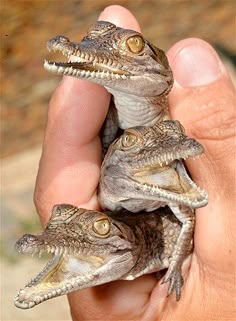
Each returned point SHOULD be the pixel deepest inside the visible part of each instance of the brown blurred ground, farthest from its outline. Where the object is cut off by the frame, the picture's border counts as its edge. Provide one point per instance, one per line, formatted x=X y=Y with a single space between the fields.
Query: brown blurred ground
x=26 y=26
x=25 y=91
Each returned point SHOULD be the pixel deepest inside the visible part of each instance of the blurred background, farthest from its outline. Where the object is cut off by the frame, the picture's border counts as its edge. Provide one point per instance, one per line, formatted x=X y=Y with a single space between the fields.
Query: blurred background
x=26 y=89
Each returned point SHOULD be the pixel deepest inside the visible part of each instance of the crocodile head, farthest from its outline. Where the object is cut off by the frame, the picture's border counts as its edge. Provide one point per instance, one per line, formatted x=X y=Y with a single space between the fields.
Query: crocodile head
x=116 y=58
x=143 y=169
x=87 y=247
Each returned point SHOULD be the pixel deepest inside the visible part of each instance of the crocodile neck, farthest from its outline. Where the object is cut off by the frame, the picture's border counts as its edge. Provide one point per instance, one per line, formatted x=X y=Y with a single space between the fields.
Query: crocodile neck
x=142 y=111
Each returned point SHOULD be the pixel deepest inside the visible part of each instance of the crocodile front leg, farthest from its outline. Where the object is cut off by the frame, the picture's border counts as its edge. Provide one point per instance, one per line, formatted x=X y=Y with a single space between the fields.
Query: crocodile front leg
x=182 y=248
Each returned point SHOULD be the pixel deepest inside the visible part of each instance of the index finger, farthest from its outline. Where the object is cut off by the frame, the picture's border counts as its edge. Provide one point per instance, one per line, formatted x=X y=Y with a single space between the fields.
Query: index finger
x=70 y=163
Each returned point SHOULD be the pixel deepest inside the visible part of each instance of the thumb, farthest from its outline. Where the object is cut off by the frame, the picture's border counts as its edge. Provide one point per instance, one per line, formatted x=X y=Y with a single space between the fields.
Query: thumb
x=203 y=99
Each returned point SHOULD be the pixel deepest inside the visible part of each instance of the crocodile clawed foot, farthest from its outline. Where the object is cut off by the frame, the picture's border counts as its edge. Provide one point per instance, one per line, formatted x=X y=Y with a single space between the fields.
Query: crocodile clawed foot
x=175 y=278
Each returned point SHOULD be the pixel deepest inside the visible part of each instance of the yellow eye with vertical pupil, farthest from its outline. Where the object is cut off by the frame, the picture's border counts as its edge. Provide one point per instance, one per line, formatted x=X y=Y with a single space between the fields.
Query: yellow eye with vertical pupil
x=102 y=227
x=135 y=44
x=128 y=140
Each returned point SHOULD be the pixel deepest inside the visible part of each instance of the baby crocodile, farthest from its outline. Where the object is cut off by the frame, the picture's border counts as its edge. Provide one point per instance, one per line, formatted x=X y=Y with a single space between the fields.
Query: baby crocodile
x=90 y=248
x=132 y=69
x=143 y=170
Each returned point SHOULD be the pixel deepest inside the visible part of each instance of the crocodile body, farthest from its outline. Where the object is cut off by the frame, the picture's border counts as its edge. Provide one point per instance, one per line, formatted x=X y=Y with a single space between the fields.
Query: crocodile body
x=90 y=248
x=143 y=170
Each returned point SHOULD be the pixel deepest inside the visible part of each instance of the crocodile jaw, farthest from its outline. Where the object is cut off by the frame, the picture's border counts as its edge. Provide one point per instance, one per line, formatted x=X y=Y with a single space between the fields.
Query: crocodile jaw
x=160 y=184
x=173 y=184
x=63 y=274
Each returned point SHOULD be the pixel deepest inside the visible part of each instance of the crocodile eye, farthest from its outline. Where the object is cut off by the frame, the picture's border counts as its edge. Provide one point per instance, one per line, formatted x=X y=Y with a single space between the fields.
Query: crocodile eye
x=128 y=140
x=102 y=227
x=135 y=44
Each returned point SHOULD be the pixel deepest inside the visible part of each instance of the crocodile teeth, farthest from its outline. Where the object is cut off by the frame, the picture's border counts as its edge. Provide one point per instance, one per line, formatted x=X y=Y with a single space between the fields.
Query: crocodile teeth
x=40 y=252
x=35 y=251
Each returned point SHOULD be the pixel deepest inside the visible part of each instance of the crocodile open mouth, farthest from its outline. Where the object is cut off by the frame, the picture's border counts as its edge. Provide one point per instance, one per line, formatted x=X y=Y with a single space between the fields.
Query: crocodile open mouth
x=81 y=68
x=82 y=64
x=172 y=182
x=73 y=266
x=64 y=273
x=85 y=70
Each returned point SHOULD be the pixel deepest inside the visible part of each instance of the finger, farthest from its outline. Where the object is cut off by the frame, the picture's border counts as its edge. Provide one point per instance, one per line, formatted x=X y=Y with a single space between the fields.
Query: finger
x=203 y=99
x=71 y=146
x=120 y=16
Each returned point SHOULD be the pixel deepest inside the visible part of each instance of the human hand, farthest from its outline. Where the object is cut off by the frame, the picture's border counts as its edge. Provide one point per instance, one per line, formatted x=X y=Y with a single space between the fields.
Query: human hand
x=203 y=99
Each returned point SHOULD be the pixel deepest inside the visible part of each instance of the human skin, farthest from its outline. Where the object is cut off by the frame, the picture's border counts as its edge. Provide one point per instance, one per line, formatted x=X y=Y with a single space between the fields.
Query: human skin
x=203 y=100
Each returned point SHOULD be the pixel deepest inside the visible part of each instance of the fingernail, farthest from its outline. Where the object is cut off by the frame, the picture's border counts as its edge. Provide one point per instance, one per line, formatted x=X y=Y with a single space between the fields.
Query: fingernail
x=196 y=65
